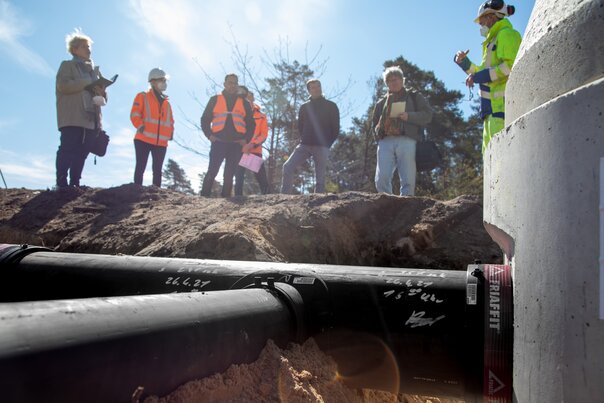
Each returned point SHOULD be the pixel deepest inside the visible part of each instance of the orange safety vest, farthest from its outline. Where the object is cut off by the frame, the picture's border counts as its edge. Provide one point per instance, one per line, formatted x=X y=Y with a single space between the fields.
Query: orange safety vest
x=261 y=132
x=158 y=122
x=221 y=113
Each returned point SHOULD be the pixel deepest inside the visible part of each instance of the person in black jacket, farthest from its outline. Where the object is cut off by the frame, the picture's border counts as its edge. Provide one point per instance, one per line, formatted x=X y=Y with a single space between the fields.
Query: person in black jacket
x=228 y=122
x=318 y=125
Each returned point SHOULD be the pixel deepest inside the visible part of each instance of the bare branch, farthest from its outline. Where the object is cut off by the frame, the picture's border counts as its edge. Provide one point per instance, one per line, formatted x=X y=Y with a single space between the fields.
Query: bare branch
x=192 y=149
x=186 y=144
x=214 y=85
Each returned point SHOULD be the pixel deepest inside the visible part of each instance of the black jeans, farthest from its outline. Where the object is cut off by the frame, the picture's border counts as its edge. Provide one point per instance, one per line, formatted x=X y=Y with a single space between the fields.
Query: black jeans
x=158 y=153
x=222 y=151
x=71 y=155
x=260 y=177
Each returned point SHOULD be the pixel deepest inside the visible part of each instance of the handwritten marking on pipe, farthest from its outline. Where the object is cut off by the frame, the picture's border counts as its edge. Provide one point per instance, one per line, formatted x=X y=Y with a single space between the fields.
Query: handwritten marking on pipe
x=419 y=283
x=391 y=292
x=417 y=320
x=187 y=282
x=430 y=297
x=414 y=273
x=425 y=297
x=409 y=283
x=197 y=270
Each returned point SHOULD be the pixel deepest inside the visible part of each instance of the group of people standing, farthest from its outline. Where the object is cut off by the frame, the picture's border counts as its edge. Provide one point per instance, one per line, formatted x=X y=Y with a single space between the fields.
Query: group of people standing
x=79 y=115
x=235 y=125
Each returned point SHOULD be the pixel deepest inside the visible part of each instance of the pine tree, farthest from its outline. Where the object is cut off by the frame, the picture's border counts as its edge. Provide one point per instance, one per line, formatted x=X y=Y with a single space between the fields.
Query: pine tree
x=175 y=178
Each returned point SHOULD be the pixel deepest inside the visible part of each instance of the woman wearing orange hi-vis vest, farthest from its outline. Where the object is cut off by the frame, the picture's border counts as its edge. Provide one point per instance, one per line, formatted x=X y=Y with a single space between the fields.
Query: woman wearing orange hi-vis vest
x=254 y=147
x=152 y=116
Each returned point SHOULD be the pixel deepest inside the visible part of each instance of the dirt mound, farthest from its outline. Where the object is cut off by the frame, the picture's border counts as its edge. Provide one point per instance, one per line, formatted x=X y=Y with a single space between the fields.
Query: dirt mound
x=349 y=228
x=300 y=374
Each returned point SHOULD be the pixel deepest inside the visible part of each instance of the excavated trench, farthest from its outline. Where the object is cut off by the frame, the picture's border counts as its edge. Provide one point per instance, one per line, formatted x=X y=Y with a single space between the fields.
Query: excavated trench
x=350 y=229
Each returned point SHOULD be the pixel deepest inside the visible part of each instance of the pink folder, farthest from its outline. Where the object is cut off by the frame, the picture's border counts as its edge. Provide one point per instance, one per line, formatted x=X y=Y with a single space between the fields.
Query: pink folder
x=251 y=162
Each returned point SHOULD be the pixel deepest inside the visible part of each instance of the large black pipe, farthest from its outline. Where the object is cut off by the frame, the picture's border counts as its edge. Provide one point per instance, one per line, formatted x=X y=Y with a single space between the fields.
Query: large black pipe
x=102 y=349
x=422 y=318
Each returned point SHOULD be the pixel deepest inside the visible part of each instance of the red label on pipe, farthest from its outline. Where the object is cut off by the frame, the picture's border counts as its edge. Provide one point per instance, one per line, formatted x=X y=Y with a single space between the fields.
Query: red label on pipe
x=498 y=336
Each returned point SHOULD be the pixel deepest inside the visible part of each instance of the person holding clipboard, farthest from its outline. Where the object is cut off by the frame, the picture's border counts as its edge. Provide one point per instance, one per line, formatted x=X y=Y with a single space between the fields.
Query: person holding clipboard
x=397 y=119
x=252 y=151
x=80 y=95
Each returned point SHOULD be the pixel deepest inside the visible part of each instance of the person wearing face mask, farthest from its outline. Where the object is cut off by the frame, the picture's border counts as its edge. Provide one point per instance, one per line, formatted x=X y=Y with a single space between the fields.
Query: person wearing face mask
x=78 y=108
x=499 y=51
x=151 y=115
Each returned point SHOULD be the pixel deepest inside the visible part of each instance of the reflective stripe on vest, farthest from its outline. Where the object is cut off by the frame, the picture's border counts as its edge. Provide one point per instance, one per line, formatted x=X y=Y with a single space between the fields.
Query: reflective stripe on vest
x=487 y=95
x=485 y=91
x=167 y=122
x=221 y=114
x=157 y=131
x=503 y=67
x=154 y=136
x=488 y=62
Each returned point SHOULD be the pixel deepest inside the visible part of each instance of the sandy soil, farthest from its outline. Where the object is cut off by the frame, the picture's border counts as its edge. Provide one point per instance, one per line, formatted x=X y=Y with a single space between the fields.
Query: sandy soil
x=352 y=228
x=300 y=374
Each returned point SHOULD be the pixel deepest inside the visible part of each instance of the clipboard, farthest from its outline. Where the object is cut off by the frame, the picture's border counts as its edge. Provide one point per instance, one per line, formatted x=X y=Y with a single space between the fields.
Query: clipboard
x=251 y=162
x=102 y=82
x=397 y=108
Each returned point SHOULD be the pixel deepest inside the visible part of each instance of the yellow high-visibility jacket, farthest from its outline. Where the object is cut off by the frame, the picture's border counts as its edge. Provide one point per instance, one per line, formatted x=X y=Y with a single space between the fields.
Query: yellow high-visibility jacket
x=499 y=51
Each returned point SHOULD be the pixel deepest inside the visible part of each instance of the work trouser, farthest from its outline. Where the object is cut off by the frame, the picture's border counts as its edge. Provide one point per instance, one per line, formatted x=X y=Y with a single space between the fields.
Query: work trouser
x=158 y=153
x=230 y=152
x=71 y=155
x=491 y=127
x=260 y=177
x=396 y=152
x=319 y=154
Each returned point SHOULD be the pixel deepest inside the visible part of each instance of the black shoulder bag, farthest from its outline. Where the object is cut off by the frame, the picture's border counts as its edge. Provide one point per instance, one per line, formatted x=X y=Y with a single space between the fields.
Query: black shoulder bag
x=96 y=142
x=427 y=155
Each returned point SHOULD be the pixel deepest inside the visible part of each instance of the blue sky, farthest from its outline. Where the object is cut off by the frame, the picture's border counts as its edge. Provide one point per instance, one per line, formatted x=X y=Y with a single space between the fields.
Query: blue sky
x=183 y=36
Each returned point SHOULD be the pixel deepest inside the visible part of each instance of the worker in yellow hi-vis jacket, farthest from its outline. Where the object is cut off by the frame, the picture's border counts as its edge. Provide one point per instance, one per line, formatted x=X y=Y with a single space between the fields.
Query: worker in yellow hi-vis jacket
x=498 y=54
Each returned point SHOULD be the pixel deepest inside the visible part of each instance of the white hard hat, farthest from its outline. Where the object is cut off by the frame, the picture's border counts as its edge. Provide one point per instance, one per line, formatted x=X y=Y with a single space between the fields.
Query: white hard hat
x=492 y=7
x=156 y=73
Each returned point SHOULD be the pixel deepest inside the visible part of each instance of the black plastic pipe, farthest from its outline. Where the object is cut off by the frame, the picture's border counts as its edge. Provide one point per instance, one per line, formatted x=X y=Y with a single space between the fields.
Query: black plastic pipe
x=102 y=349
x=427 y=327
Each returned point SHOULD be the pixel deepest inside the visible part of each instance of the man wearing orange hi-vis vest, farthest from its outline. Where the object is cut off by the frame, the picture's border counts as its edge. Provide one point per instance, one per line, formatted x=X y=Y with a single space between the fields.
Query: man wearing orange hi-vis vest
x=152 y=116
x=228 y=122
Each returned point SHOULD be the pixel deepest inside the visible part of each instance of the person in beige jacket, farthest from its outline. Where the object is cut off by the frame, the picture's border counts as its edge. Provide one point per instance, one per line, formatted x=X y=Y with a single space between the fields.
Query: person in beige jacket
x=78 y=108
